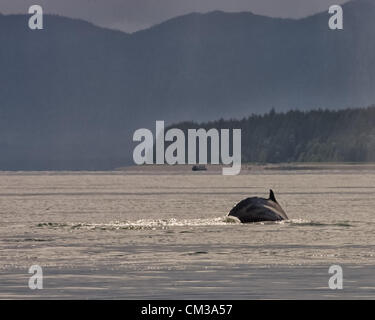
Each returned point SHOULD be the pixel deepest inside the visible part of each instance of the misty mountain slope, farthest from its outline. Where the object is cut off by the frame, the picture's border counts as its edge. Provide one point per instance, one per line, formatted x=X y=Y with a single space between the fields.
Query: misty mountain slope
x=241 y=62
x=71 y=95
x=54 y=93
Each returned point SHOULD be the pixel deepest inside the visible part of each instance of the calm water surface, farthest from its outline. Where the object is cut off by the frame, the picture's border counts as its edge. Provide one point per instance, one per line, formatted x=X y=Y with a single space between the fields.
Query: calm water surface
x=121 y=235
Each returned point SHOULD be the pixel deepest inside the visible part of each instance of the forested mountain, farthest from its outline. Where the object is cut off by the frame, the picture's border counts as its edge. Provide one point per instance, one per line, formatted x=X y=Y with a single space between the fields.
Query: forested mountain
x=308 y=136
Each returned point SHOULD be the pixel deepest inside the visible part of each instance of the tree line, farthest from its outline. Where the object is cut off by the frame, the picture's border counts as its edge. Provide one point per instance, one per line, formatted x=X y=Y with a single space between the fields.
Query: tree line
x=302 y=136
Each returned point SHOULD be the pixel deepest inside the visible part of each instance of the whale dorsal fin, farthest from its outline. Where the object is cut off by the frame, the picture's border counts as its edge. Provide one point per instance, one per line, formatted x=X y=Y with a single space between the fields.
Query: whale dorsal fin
x=272 y=196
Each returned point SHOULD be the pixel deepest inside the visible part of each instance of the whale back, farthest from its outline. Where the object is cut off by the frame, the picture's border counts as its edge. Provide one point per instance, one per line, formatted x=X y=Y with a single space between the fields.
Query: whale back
x=257 y=209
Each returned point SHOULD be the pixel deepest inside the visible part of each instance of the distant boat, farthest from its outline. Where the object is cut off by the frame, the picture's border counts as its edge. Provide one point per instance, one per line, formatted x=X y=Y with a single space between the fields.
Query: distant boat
x=199 y=168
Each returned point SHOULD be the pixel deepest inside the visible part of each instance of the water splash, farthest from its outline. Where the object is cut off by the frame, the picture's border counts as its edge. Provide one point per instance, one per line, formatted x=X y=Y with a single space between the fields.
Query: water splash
x=144 y=224
x=155 y=224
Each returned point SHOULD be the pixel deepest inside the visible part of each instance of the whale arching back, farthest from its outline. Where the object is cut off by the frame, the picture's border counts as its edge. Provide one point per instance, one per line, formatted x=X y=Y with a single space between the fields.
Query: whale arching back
x=257 y=209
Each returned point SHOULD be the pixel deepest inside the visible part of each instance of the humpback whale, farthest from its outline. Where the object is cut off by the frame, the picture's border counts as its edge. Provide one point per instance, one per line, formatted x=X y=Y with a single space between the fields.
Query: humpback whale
x=258 y=209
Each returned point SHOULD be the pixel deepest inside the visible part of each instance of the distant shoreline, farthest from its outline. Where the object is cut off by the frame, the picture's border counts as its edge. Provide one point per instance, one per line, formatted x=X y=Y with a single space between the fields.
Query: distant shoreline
x=252 y=167
x=247 y=168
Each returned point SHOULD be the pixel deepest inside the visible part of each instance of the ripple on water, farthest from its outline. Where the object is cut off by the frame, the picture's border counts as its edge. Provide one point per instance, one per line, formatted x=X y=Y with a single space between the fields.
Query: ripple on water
x=301 y=222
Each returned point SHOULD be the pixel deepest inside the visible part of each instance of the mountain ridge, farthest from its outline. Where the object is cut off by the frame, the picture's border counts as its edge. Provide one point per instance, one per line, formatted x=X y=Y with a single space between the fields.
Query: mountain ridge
x=72 y=94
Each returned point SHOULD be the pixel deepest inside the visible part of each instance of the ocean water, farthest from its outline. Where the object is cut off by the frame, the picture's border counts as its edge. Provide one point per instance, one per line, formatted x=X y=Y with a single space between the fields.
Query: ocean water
x=162 y=235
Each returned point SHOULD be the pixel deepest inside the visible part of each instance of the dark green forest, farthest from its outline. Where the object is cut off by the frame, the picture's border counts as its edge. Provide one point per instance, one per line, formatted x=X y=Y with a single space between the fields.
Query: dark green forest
x=303 y=136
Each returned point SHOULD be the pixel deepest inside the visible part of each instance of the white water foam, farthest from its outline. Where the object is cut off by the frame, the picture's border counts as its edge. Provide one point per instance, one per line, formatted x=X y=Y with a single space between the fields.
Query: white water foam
x=144 y=224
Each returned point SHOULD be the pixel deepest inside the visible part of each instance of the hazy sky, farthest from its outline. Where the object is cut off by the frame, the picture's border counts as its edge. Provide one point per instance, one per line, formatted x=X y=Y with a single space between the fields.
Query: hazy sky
x=132 y=15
